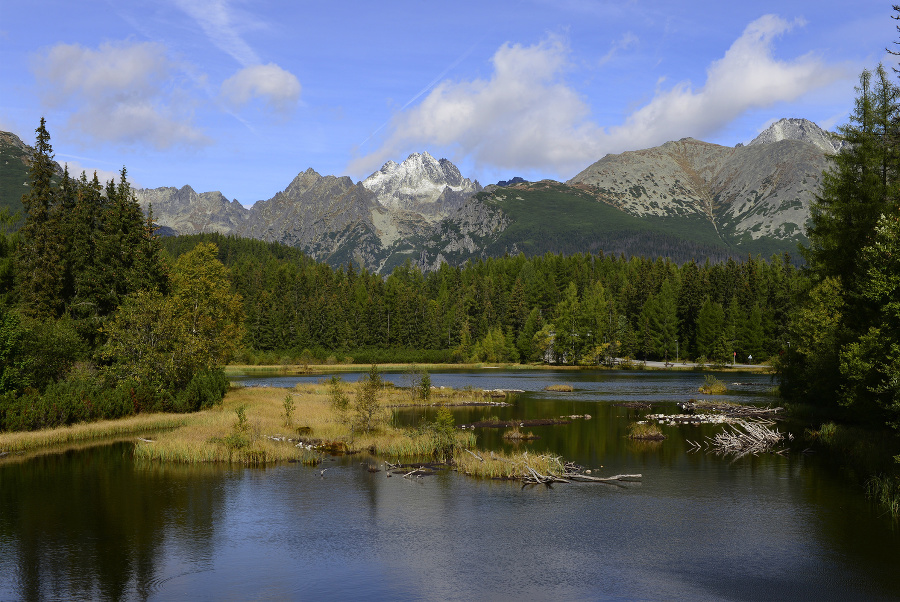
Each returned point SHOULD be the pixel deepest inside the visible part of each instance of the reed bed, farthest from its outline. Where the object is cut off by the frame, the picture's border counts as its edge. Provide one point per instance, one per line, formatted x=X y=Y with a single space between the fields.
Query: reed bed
x=104 y=429
x=560 y=388
x=215 y=435
x=507 y=466
x=647 y=431
x=712 y=386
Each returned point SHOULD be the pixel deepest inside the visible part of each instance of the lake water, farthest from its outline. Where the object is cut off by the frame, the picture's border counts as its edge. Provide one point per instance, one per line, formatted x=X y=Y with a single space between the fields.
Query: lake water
x=94 y=524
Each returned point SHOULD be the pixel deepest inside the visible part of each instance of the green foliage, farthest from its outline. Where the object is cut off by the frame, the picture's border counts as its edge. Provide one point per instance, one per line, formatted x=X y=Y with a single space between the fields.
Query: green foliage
x=206 y=389
x=367 y=413
x=167 y=340
x=337 y=397
x=238 y=439
x=15 y=363
x=442 y=433
x=288 y=413
x=425 y=386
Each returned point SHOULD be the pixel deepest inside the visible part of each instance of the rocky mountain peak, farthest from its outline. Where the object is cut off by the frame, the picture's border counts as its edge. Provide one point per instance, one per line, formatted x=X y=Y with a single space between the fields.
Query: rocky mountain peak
x=421 y=184
x=803 y=130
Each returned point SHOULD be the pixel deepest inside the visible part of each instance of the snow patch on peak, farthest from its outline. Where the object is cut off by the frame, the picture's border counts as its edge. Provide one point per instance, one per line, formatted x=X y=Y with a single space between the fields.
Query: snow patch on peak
x=421 y=184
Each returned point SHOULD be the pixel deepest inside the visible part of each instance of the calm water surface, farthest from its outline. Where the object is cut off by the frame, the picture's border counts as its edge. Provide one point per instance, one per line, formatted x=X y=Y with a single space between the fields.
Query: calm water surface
x=93 y=524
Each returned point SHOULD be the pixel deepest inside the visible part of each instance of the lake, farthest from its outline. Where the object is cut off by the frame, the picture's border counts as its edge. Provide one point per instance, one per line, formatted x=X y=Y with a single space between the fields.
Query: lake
x=93 y=523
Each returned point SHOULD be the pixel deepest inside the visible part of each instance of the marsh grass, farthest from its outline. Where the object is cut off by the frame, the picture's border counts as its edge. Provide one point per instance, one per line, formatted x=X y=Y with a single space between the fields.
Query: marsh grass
x=507 y=466
x=560 y=388
x=222 y=435
x=515 y=434
x=647 y=431
x=89 y=431
x=885 y=490
x=712 y=386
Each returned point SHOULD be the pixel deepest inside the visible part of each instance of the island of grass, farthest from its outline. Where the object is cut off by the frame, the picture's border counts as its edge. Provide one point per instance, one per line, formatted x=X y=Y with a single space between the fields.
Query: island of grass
x=257 y=426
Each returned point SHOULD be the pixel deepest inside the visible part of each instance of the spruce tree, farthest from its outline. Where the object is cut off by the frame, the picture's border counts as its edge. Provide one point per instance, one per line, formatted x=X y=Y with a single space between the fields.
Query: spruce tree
x=39 y=261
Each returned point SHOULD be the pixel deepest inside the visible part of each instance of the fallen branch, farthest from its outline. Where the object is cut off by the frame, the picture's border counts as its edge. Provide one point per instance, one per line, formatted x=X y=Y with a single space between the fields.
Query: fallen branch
x=474 y=454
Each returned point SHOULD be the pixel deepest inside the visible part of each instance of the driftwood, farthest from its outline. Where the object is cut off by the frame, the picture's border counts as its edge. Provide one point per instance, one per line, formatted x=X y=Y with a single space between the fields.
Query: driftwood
x=474 y=454
x=571 y=473
x=744 y=437
x=728 y=409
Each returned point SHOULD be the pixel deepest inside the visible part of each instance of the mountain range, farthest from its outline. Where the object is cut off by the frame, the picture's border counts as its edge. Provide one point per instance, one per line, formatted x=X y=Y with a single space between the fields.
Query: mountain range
x=685 y=199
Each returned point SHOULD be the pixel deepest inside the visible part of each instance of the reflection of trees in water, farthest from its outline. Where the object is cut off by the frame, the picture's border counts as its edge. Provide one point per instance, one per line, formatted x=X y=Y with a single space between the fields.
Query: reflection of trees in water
x=92 y=524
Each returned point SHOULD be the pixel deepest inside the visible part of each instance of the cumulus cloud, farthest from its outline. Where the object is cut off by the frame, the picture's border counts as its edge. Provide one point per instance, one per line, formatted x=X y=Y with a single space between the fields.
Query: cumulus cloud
x=527 y=117
x=747 y=77
x=278 y=88
x=120 y=92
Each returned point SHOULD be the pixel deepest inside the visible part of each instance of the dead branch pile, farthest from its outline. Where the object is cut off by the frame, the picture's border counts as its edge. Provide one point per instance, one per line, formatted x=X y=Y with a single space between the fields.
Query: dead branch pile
x=571 y=472
x=731 y=410
x=744 y=437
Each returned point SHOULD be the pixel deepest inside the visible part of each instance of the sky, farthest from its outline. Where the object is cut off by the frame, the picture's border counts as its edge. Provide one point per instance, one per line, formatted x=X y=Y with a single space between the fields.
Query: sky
x=241 y=96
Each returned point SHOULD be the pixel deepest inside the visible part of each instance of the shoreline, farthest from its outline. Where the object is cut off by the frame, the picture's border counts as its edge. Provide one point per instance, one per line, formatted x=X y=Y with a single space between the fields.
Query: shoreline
x=314 y=369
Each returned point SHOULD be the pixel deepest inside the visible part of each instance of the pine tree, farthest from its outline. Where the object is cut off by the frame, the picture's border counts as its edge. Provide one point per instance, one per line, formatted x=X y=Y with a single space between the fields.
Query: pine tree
x=39 y=262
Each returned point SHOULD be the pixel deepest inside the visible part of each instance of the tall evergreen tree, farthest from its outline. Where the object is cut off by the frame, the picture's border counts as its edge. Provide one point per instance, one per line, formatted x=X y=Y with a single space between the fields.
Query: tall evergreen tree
x=39 y=262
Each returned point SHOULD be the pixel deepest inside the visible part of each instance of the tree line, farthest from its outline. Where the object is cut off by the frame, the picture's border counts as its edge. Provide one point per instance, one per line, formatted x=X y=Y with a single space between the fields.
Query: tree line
x=96 y=320
x=578 y=309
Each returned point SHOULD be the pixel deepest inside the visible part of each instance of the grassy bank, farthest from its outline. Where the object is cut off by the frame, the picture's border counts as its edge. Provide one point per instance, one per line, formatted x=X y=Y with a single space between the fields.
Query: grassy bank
x=252 y=427
x=142 y=424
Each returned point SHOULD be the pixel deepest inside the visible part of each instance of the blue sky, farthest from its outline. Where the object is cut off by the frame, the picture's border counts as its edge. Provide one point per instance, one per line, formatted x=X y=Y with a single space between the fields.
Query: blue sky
x=242 y=96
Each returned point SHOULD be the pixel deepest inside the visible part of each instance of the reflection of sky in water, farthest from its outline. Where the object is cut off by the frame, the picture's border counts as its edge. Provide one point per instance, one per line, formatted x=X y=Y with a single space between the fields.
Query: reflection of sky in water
x=725 y=534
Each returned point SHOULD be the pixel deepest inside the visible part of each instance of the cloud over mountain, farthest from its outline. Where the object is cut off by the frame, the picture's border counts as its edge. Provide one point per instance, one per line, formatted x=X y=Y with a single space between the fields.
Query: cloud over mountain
x=120 y=92
x=526 y=115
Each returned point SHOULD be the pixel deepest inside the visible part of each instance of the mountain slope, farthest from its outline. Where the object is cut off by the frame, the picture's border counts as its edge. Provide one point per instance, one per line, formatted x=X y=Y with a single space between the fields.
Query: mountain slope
x=15 y=160
x=746 y=193
x=184 y=211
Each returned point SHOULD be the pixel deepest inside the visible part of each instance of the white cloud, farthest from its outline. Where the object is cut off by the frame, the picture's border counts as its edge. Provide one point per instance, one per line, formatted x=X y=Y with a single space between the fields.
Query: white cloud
x=120 y=92
x=279 y=89
x=746 y=77
x=527 y=117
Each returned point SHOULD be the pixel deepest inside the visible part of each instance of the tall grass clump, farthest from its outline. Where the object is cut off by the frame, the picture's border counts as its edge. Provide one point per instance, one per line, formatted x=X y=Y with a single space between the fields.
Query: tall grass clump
x=505 y=466
x=645 y=431
x=885 y=490
x=712 y=386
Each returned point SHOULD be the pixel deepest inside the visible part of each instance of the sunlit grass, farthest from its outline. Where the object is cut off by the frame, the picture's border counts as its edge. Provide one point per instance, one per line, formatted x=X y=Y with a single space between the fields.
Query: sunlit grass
x=712 y=386
x=646 y=430
x=208 y=437
x=493 y=465
x=104 y=429
x=560 y=388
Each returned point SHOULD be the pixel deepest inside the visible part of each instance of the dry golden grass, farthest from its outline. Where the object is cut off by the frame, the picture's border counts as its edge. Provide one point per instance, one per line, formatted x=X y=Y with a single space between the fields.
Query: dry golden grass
x=104 y=429
x=494 y=465
x=646 y=431
x=712 y=386
x=206 y=437
x=560 y=388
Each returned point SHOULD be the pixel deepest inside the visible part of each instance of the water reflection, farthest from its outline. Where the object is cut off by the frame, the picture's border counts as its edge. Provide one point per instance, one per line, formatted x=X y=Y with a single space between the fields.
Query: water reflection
x=93 y=524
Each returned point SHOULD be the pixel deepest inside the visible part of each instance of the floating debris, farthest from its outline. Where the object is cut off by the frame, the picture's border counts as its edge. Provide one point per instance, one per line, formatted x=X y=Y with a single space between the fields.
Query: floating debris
x=744 y=437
